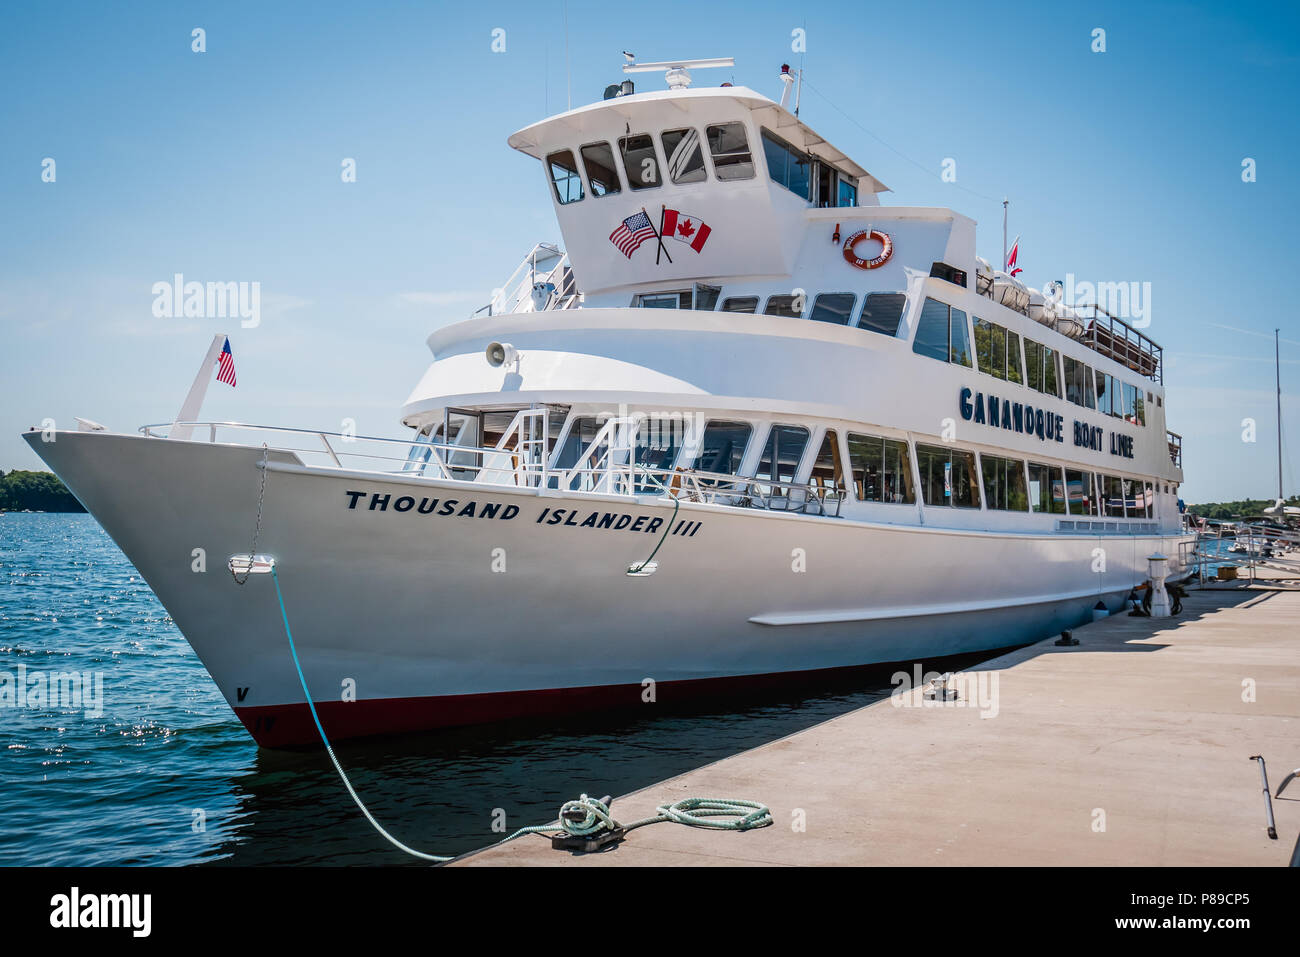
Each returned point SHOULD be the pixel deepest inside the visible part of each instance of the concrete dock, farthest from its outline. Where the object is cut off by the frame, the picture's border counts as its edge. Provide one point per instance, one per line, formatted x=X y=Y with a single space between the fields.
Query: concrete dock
x=1130 y=749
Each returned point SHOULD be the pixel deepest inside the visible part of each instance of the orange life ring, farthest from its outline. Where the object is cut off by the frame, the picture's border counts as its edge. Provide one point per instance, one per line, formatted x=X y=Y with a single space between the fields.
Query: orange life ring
x=886 y=250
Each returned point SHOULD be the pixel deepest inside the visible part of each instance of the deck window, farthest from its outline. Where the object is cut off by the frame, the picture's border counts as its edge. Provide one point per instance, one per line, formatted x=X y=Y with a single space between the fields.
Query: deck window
x=789 y=306
x=730 y=150
x=782 y=453
x=848 y=193
x=991 y=348
x=1043 y=368
x=1004 y=483
x=882 y=469
x=1080 y=493
x=828 y=467
x=722 y=447
x=664 y=300
x=947 y=476
x=640 y=161
x=582 y=432
x=740 y=304
x=602 y=171
x=565 y=178
x=833 y=307
x=882 y=312
x=1113 y=499
x=786 y=165
x=685 y=158
x=706 y=297
x=942 y=334
x=1078 y=384
x=1046 y=488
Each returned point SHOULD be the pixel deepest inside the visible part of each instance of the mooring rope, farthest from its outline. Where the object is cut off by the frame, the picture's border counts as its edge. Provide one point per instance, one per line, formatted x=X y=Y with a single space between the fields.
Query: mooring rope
x=595 y=817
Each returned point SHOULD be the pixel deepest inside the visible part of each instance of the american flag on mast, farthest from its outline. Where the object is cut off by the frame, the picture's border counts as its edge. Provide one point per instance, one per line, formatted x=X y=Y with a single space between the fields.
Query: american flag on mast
x=226 y=366
x=1012 y=268
x=632 y=232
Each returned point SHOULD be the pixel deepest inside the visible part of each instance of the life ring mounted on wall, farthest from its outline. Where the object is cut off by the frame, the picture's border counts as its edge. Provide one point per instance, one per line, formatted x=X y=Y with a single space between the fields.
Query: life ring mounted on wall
x=886 y=248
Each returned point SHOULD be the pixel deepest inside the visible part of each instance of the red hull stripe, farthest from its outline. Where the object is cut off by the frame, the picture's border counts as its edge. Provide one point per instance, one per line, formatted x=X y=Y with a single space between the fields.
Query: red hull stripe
x=290 y=725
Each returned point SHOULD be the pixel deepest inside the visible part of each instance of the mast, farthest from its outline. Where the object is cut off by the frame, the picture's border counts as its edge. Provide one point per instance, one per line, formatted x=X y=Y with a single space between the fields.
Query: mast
x=1004 y=234
x=1277 y=378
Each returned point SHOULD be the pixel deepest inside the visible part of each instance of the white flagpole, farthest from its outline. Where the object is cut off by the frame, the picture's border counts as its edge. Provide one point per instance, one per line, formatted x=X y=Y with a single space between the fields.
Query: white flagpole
x=1004 y=234
x=194 y=401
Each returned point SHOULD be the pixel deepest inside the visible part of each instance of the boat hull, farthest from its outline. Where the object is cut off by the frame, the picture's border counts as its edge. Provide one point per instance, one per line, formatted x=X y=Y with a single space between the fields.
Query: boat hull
x=418 y=604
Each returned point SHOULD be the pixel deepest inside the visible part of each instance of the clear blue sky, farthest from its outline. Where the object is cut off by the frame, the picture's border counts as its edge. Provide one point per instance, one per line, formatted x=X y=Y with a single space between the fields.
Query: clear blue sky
x=1123 y=165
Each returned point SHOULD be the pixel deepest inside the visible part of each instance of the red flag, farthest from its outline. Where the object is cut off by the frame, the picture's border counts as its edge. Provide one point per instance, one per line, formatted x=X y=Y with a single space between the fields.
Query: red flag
x=1012 y=268
x=686 y=228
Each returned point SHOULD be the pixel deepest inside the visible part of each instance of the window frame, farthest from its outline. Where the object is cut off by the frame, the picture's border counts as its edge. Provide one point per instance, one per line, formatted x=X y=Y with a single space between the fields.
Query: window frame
x=614 y=167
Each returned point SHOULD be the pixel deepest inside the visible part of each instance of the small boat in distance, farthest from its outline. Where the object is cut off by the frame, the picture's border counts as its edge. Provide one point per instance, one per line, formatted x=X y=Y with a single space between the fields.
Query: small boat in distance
x=746 y=424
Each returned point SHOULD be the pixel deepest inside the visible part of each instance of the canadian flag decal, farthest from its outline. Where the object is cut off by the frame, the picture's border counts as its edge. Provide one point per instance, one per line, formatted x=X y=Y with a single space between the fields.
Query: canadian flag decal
x=686 y=228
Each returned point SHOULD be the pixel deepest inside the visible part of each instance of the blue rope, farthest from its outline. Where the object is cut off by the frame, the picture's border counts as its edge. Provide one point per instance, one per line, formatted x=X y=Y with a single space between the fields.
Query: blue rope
x=596 y=817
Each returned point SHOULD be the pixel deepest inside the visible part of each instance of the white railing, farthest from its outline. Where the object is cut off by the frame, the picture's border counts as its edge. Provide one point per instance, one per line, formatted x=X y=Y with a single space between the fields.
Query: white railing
x=546 y=267
x=1248 y=545
x=606 y=466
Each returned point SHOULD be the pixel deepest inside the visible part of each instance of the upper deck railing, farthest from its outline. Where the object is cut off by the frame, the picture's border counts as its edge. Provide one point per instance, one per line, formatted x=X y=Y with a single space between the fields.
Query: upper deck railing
x=1116 y=339
x=543 y=280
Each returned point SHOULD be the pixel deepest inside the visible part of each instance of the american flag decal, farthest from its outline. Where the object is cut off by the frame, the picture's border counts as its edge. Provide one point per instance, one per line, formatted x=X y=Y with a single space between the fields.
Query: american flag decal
x=226 y=366
x=631 y=233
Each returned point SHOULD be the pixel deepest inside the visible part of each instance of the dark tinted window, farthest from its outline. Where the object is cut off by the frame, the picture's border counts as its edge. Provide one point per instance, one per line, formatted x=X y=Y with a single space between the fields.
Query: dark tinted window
x=932 y=331
x=781 y=453
x=740 y=304
x=882 y=312
x=1004 y=483
x=947 y=476
x=882 y=470
x=1046 y=488
x=602 y=173
x=789 y=306
x=836 y=307
x=723 y=447
x=639 y=161
x=786 y=165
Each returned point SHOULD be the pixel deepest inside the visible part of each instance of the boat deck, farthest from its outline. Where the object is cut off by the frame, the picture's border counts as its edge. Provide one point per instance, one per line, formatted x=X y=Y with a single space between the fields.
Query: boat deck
x=1143 y=722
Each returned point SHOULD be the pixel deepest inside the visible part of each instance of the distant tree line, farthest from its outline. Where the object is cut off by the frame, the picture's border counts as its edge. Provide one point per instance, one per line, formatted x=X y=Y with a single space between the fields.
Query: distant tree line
x=1235 y=510
x=36 y=491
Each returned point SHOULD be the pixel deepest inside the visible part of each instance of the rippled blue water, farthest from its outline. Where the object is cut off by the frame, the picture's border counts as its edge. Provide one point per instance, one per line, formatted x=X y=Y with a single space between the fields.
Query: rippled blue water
x=129 y=787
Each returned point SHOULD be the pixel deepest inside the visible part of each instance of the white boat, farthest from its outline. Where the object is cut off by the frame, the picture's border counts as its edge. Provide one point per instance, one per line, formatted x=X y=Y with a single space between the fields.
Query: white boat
x=752 y=425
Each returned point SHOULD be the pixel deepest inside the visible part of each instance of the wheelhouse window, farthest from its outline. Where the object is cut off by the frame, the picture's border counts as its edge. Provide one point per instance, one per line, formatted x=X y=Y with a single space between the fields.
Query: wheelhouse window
x=640 y=161
x=882 y=312
x=1004 y=483
x=833 y=307
x=1046 y=488
x=942 y=334
x=740 y=304
x=722 y=447
x=1079 y=492
x=1078 y=384
x=706 y=297
x=729 y=148
x=685 y=158
x=788 y=306
x=565 y=178
x=947 y=476
x=602 y=171
x=786 y=165
x=1043 y=368
x=782 y=453
x=882 y=469
x=848 y=193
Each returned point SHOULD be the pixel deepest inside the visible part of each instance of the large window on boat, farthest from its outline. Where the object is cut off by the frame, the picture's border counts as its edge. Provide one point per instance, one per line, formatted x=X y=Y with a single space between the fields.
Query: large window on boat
x=882 y=312
x=788 y=306
x=640 y=161
x=658 y=441
x=848 y=193
x=565 y=178
x=833 y=307
x=1078 y=383
x=882 y=470
x=740 y=304
x=786 y=165
x=1079 y=490
x=582 y=432
x=1149 y=499
x=947 y=476
x=722 y=447
x=729 y=148
x=685 y=158
x=664 y=300
x=1046 y=488
x=1004 y=483
x=828 y=468
x=942 y=333
x=997 y=351
x=1113 y=495
x=782 y=453
x=1042 y=368
x=602 y=171
x=706 y=297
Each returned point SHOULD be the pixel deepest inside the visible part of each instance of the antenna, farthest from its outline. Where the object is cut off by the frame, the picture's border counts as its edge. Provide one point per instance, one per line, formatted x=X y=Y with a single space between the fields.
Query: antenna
x=677 y=72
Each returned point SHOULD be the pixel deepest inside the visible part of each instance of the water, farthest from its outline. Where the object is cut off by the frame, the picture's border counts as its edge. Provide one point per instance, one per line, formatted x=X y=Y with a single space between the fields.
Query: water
x=167 y=775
